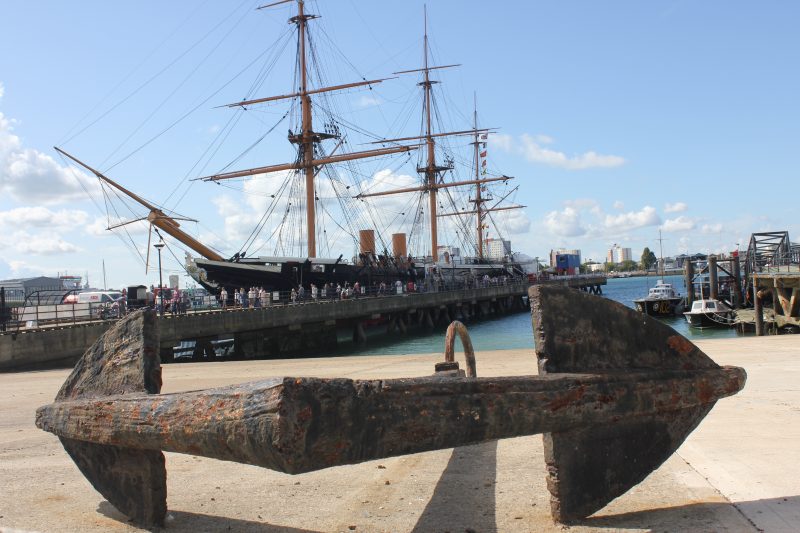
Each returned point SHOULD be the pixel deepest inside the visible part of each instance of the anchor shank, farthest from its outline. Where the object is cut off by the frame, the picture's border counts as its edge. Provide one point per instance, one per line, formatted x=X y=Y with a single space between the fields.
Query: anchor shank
x=297 y=425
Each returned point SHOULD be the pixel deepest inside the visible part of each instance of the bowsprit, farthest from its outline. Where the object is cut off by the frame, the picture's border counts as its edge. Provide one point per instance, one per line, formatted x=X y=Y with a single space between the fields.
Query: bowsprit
x=616 y=394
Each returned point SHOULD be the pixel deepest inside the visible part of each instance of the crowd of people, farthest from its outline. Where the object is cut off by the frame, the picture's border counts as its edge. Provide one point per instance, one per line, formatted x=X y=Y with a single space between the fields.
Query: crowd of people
x=258 y=297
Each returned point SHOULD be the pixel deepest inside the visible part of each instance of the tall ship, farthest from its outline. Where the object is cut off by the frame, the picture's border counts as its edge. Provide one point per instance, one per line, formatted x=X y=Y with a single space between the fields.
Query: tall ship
x=323 y=198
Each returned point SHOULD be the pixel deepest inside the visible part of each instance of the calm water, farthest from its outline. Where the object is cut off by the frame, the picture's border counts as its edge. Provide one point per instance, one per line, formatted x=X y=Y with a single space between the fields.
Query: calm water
x=515 y=331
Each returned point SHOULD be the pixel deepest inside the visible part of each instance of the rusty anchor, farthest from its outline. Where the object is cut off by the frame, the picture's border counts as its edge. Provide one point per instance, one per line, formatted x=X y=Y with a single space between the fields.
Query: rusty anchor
x=617 y=393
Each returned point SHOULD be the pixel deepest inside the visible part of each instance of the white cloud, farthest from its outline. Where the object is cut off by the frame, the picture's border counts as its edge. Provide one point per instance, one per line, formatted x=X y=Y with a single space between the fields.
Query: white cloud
x=44 y=243
x=619 y=205
x=566 y=223
x=28 y=175
x=533 y=149
x=514 y=222
x=99 y=227
x=502 y=141
x=535 y=152
x=368 y=100
x=41 y=217
x=711 y=228
x=677 y=207
x=2 y=89
x=582 y=203
x=681 y=223
x=647 y=216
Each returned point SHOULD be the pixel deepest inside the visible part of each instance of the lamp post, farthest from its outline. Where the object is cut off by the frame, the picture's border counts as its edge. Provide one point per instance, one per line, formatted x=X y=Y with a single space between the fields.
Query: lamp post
x=158 y=247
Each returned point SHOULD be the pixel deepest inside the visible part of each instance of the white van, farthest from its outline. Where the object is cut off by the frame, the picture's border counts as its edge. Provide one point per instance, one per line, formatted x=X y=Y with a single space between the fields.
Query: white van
x=96 y=297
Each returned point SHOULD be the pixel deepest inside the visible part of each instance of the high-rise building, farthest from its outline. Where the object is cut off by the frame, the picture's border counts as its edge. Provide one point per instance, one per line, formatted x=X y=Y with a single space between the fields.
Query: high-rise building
x=618 y=254
x=497 y=248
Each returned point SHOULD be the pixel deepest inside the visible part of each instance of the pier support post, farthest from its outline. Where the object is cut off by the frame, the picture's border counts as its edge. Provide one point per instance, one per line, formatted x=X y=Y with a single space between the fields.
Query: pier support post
x=166 y=354
x=712 y=277
x=204 y=348
x=758 y=310
x=688 y=269
x=737 y=287
x=359 y=335
x=401 y=323
x=429 y=322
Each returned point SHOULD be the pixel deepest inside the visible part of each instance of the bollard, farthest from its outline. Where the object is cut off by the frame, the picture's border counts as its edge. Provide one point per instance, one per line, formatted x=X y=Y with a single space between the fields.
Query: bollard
x=617 y=394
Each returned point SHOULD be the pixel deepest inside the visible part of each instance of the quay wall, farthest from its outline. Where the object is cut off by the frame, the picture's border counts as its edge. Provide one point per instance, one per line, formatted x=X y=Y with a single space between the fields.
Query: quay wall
x=31 y=348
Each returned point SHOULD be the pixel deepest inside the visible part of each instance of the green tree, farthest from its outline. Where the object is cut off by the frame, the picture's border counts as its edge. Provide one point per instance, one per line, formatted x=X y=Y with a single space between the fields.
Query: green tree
x=648 y=258
x=627 y=265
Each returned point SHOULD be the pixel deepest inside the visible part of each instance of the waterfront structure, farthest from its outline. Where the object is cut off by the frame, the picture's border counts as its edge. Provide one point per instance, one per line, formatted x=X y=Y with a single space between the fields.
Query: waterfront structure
x=16 y=290
x=563 y=251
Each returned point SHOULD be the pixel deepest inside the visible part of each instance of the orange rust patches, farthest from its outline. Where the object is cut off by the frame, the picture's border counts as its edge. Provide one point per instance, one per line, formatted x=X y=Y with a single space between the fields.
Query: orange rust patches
x=680 y=344
x=570 y=397
x=705 y=392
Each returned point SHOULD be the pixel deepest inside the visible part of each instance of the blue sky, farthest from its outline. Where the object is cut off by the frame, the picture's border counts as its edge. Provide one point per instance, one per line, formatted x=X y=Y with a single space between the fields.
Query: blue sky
x=617 y=118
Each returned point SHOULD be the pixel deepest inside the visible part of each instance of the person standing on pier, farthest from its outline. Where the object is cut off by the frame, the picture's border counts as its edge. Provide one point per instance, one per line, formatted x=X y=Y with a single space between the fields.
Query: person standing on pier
x=223 y=298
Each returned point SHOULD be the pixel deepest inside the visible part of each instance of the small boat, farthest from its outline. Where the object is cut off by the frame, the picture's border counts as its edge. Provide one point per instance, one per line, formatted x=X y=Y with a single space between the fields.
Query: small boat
x=710 y=313
x=661 y=300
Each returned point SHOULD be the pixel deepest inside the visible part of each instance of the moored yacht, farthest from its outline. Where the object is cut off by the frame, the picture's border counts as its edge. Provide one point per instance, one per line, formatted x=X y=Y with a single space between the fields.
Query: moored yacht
x=710 y=313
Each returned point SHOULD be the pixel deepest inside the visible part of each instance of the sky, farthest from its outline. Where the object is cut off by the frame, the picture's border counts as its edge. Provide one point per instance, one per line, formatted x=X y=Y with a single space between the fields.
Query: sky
x=618 y=120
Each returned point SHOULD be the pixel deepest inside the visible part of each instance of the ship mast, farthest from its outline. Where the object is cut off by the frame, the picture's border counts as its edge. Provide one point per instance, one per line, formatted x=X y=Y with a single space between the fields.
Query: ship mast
x=156 y=217
x=307 y=139
x=430 y=171
x=478 y=199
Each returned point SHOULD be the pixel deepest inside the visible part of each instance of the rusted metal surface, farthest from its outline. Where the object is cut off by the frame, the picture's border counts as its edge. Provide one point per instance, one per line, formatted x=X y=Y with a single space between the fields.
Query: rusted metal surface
x=589 y=466
x=603 y=413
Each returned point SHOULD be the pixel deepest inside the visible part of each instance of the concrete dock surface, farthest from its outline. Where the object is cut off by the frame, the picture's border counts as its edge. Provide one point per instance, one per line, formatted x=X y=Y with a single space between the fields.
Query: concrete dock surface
x=738 y=471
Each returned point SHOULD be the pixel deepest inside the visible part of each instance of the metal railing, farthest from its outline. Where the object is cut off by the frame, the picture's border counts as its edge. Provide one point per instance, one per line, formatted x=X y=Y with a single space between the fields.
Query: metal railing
x=36 y=315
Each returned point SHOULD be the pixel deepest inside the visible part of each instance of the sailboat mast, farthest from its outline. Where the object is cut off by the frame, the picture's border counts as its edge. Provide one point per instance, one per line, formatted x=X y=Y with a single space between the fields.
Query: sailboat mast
x=307 y=141
x=478 y=199
x=430 y=171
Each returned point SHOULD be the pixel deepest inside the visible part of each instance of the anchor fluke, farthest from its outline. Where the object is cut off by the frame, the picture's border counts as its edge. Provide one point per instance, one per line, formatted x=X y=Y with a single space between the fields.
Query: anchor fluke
x=589 y=466
x=124 y=360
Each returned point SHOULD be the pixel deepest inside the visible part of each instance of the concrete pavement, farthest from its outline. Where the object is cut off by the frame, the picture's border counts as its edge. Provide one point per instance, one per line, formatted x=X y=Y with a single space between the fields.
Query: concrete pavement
x=739 y=471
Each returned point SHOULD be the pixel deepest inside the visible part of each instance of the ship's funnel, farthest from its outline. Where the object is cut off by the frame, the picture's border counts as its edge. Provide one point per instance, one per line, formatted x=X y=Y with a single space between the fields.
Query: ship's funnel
x=399 y=245
x=366 y=239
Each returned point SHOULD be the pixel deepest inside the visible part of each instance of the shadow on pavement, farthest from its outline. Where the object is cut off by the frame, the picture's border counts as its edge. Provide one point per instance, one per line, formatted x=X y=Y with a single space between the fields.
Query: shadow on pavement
x=464 y=499
x=772 y=514
x=195 y=522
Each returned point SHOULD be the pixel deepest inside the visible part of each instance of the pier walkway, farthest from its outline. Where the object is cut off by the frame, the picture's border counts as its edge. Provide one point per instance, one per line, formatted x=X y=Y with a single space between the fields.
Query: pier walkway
x=284 y=329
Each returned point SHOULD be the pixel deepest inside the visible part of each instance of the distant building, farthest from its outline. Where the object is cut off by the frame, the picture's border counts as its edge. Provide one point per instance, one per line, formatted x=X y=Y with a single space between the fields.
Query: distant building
x=568 y=264
x=453 y=253
x=16 y=290
x=618 y=254
x=497 y=248
x=562 y=251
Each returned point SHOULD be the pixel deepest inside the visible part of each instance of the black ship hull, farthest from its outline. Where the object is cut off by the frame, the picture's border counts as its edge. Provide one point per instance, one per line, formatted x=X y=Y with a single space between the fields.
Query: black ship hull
x=659 y=307
x=214 y=275
x=285 y=275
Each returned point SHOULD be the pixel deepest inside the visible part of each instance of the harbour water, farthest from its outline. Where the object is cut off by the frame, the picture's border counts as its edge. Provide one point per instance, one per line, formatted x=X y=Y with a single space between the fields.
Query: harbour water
x=515 y=331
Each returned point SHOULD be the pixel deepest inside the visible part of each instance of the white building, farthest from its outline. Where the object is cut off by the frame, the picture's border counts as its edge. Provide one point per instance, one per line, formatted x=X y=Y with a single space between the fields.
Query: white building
x=496 y=248
x=618 y=254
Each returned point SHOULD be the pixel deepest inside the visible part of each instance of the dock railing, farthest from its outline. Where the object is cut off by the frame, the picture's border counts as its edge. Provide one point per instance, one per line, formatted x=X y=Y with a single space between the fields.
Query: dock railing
x=38 y=314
